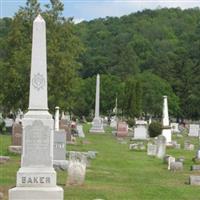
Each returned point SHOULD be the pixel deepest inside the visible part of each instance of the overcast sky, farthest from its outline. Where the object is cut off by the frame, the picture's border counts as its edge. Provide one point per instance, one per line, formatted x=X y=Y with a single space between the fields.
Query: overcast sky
x=90 y=9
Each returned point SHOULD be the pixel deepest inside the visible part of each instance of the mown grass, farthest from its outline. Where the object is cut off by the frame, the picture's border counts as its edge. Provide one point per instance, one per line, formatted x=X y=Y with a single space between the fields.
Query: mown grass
x=117 y=173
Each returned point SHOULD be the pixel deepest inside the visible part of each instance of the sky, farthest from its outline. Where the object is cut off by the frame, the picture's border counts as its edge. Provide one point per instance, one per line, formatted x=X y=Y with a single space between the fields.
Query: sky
x=90 y=9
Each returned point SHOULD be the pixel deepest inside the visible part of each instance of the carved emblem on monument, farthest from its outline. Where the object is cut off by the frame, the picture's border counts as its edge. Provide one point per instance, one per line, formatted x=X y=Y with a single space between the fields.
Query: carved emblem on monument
x=38 y=81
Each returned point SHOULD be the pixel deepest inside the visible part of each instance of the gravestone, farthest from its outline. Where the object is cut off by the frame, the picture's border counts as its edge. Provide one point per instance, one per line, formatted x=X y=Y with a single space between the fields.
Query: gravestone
x=194 y=130
x=188 y=146
x=80 y=131
x=59 y=151
x=76 y=169
x=122 y=129
x=165 y=122
x=36 y=179
x=161 y=146
x=176 y=166
x=175 y=128
x=170 y=160
x=8 y=124
x=64 y=125
x=113 y=122
x=141 y=130
x=194 y=180
x=97 y=123
x=195 y=168
x=17 y=134
x=151 y=149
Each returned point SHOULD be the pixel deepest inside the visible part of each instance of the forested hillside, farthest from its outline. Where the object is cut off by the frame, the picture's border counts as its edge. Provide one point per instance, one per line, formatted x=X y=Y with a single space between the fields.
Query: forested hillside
x=165 y=42
x=141 y=57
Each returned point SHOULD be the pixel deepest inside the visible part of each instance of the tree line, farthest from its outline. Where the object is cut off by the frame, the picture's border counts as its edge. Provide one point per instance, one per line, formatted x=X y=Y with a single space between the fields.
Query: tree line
x=140 y=57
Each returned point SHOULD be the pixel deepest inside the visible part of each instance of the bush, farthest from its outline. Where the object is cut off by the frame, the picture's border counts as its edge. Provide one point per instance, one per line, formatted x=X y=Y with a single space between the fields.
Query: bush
x=131 y=122
x=155 y=129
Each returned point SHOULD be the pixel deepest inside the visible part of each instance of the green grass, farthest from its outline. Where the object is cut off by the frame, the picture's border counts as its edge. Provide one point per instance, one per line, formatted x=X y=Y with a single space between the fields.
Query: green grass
x=118 y=173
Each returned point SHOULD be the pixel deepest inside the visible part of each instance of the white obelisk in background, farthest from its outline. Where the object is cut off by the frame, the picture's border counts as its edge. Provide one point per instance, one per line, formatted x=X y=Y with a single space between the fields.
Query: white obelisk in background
x=36 y=179
x=57 y=114
x=97 y=124
x=165 y=121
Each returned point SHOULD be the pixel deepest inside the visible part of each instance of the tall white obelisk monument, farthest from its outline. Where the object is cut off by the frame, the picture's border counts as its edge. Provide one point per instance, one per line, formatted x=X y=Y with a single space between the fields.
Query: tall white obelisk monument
x=165 y=121
x=36 y=179
x=97 y=124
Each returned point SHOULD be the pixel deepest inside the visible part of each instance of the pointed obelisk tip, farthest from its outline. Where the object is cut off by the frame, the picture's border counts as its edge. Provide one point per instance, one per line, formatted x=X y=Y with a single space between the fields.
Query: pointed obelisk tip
x=39 y=18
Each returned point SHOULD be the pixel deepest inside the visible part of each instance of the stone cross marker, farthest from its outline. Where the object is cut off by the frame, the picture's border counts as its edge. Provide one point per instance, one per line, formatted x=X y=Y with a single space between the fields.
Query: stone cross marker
x=97 y=124
x=165 y=121
x=36 y=179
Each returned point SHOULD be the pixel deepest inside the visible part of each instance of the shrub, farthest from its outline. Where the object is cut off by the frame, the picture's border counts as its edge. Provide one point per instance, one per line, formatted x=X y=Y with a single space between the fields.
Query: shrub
x=131 y=122
x=155 y=129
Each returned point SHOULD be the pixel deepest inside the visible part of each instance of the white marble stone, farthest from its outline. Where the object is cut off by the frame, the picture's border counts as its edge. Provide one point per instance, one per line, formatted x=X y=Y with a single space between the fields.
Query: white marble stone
x=161 y=146
x=97 y=123
x=165 y=121
x=194 y=130
x=141 y=130
x=175 y=128
x=36 y=179
x=80 y=131
x=56 y=125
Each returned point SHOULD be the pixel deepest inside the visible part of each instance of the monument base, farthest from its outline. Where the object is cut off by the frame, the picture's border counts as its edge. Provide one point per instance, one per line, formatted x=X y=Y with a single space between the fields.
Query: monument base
x=168 y=135
x=97 y=126
x=33 y=193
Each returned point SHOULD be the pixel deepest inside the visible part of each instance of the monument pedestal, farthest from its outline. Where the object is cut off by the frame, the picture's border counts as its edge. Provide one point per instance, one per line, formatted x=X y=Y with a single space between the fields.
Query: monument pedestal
x=33 y=193
x=97 y=126
x=168 y=135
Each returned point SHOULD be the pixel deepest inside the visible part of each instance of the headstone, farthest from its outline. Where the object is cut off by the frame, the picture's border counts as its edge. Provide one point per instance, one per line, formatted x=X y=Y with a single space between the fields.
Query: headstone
x=59 y=151
x=176 y=166
x=17 y=134
x=4 y=159
x=161 y=146
x=195 y=168
x=194 y=130
x=1 y=196
x=15 y=149
x=175 y=128
x=76 y=168
x=151 y=149
x=165 y=121
x=97 y=123
x=188 y=146
x=170 y=161
x=194 y=180
x=122 y=129
x=8 y=124
x=137 y=146
x=80 y=131
x=36 y=179
x=141 y=130
x=113 y=122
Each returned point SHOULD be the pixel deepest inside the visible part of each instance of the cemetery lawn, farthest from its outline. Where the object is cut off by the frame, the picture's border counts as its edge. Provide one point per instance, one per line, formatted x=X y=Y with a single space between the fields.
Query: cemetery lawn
x=117 y=173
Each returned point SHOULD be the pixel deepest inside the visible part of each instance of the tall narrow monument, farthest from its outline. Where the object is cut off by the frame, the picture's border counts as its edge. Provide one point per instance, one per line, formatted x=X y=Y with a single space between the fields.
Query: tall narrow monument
x=165 y=121
x=36 y=179
x=57 y=114
x=97 y=124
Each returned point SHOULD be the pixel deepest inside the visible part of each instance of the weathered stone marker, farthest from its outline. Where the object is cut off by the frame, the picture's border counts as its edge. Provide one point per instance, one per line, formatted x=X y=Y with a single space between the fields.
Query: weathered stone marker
x=36 y=179
x=97 y=124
